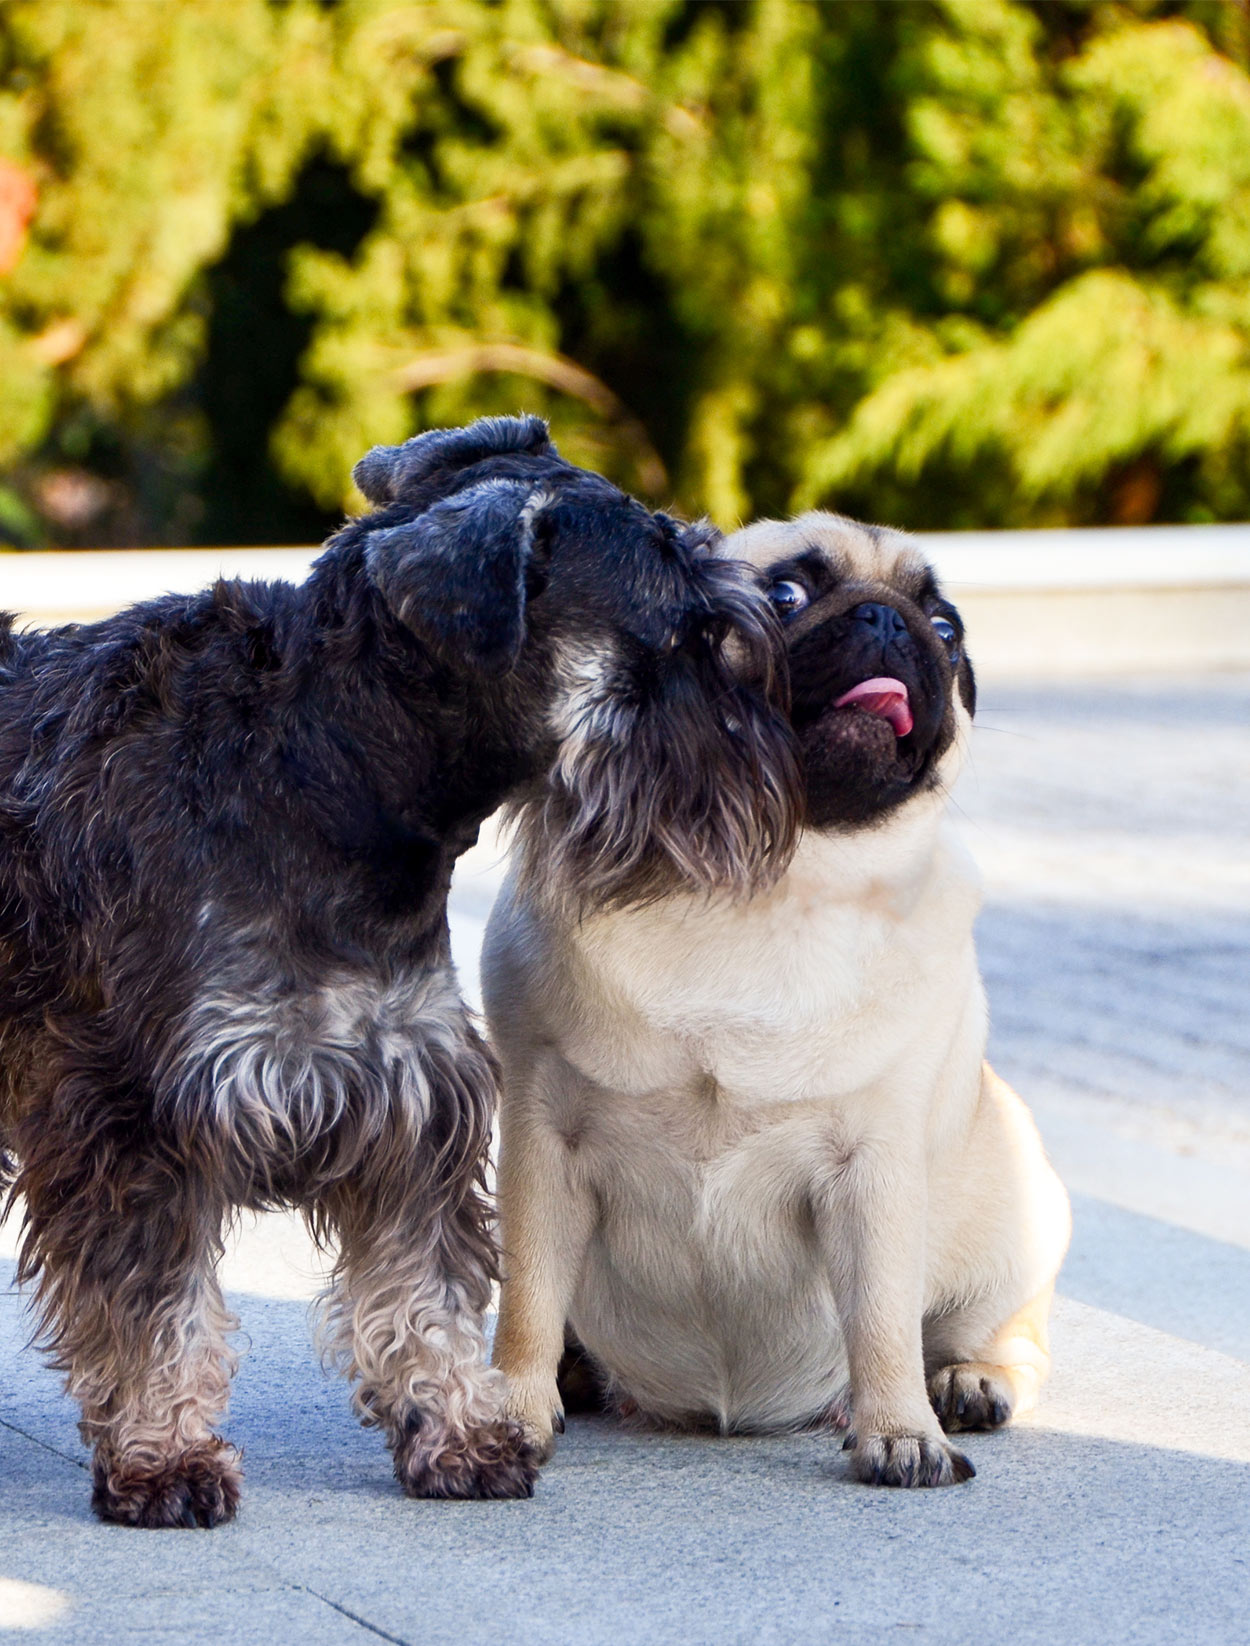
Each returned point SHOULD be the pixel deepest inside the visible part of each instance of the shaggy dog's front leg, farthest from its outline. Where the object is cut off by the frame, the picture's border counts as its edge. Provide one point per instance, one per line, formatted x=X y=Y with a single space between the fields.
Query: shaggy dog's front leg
x=404 y=1319
x=158 y=1460
x=124 y=1244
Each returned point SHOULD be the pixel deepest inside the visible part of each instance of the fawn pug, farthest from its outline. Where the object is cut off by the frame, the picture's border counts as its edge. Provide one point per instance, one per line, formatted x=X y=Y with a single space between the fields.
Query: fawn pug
x=752 y=1155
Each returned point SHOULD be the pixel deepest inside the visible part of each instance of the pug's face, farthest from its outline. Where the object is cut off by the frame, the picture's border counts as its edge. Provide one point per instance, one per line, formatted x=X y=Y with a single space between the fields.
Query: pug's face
x=881 y=689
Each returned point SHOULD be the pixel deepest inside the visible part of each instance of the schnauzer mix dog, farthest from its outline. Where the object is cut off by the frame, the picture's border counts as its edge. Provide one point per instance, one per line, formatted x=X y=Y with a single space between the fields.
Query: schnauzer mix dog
x=227 y=829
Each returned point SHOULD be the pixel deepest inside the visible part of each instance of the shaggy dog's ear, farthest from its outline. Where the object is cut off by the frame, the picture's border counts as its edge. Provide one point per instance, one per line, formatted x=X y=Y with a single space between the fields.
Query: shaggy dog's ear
x=389 y=473
x=456 y=575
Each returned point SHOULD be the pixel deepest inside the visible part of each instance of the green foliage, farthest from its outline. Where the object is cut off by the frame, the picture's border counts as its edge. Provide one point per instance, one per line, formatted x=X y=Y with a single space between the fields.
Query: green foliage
x=1091 y=226
x=945 y=262
x=150 y=130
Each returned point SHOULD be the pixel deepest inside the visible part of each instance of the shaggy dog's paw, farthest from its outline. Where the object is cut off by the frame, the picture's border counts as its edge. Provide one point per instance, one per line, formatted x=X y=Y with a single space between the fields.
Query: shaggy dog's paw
x=198 y=1488
x=493 y=1460
x=971 y=1395
x=907 y=1460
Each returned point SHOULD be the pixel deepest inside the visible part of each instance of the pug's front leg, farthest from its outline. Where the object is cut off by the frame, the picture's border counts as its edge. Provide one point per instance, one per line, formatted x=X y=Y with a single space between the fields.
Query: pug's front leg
x=870 y=1214
x=546 y=1216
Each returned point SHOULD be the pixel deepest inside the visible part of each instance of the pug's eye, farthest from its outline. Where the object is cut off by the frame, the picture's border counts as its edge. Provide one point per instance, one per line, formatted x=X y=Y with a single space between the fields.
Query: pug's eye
x=788 y=596
x=948 y=634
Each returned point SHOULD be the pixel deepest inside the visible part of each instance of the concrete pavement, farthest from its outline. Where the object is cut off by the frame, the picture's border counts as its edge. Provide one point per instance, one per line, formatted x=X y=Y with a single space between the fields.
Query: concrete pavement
x=1111 y=821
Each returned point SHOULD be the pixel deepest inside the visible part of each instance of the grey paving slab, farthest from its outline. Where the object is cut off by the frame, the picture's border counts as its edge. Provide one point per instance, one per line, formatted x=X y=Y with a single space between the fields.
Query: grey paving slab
x=1165 y=1276
x=184 y=1611
x=1111 y=823
x=1130 y=1491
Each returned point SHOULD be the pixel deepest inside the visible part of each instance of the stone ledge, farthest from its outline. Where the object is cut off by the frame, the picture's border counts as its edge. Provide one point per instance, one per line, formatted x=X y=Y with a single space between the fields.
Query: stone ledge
x=1087 y=558
x=1042 y=604
x=1066 y=633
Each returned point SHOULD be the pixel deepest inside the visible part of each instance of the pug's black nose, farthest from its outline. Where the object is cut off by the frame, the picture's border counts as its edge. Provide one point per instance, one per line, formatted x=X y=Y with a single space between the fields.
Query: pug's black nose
x=884 y=621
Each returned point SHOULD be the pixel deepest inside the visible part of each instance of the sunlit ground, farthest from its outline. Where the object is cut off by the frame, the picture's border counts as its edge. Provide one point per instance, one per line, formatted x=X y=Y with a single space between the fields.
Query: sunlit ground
x=1116 y=943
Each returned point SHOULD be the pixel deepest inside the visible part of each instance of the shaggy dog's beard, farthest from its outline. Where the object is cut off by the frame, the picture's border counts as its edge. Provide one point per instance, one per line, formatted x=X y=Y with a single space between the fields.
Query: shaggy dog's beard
x=671 y=776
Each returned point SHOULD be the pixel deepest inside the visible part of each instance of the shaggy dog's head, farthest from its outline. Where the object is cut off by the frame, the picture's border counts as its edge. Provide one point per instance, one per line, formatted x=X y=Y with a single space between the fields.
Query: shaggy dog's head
x=597 y=632
x=882 y=691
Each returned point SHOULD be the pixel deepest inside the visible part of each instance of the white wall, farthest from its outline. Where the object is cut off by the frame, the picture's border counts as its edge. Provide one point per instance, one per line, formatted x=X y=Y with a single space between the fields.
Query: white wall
x=1043 y=603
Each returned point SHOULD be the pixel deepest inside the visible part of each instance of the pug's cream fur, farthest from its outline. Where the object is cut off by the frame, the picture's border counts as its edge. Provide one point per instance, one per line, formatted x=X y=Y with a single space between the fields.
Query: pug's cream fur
x=752 y=1152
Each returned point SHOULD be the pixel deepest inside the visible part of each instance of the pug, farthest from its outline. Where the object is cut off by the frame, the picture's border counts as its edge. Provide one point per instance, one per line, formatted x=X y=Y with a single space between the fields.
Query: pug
x=753 y=1157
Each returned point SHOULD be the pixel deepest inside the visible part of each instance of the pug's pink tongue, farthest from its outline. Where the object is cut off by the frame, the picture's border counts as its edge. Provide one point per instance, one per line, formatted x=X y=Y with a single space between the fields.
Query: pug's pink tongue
x=884 y=697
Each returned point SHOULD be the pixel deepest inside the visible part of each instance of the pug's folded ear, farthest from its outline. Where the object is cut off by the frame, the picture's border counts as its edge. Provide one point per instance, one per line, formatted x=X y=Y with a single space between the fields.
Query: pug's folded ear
x=387 y=474
x=456 y=575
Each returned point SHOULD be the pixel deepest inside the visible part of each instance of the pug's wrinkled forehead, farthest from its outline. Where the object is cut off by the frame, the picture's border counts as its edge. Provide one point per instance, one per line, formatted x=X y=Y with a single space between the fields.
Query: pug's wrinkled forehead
x=830 y=547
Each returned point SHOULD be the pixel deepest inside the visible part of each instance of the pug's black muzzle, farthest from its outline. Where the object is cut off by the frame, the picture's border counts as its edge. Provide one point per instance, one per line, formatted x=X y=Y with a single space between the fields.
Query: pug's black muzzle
x=870 y=640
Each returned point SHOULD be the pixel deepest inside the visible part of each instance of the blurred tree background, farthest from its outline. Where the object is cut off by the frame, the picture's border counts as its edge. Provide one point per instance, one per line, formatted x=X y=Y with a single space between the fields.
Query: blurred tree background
x=940 y=262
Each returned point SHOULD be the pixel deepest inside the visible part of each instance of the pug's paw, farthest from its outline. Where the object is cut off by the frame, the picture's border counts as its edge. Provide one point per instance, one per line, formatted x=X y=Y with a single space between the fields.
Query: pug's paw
x=907 y=1460
x=536 y=1407
x=972 y=1395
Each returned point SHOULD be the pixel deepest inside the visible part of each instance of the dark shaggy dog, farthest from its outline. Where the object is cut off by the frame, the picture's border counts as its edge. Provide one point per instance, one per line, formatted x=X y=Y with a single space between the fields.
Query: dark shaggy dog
x=227 y=829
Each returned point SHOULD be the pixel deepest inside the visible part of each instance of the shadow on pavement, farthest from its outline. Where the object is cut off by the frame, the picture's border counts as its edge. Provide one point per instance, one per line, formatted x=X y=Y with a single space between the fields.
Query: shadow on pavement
x=634 y=1537
x=1153 y=1272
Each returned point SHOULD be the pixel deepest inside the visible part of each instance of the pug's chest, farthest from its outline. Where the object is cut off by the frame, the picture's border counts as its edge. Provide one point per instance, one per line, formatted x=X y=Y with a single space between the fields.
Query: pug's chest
x=812 y=1009
x=818 y=1031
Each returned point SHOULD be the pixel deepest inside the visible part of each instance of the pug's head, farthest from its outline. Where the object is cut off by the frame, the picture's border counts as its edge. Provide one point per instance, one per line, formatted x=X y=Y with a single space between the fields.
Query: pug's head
x=882 y=692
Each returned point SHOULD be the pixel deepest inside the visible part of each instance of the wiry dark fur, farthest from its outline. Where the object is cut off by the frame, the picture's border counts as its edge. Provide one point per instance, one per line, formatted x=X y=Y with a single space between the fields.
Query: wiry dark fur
x=227 y=829
x=679 y=782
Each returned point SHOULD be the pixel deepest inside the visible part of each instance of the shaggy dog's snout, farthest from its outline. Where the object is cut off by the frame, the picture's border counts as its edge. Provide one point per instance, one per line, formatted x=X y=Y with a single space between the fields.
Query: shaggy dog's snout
x=679 y=771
